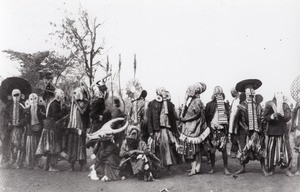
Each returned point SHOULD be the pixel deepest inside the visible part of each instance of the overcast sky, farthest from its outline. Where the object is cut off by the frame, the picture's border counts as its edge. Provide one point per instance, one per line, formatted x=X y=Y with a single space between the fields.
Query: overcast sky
x=177 y=43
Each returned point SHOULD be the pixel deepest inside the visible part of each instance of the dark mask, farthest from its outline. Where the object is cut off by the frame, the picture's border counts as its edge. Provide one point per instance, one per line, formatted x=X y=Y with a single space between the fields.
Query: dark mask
x=132 y=143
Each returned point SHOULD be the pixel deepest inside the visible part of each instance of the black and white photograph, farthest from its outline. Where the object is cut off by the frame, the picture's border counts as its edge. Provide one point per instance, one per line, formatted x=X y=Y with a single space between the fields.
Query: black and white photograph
x=150 y=95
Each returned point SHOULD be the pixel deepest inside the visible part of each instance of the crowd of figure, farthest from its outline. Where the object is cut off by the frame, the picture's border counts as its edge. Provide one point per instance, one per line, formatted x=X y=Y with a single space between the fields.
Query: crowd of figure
x=152 y=135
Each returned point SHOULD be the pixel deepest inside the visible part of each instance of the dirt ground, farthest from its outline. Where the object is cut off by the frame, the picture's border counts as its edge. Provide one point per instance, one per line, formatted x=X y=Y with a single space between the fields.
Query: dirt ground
x=252 y=180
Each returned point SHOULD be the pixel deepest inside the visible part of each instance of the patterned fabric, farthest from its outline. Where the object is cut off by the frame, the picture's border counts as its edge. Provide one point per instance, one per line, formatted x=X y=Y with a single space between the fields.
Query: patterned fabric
x=277 y=153
x=145 y=166
x=218 y=139
x=252 y=116
x=251 y=146
x=192 y=130
x=75 y=121
x=15 y=118
x=222 y=117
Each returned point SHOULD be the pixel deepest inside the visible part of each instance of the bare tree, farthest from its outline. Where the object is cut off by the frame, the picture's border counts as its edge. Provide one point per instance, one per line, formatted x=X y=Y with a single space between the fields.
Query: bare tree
x=79 y=36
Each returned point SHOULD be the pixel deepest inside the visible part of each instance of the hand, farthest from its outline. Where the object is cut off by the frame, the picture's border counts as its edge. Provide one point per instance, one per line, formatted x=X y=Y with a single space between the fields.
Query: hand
x=229 y=137
x=132 y=152
x=100 y=117
x=151 y=135
x=275 y=115
x=182 y=119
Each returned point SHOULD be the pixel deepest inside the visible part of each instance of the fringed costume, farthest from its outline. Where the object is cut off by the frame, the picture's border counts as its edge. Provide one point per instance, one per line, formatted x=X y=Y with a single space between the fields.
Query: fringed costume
x=193 y=130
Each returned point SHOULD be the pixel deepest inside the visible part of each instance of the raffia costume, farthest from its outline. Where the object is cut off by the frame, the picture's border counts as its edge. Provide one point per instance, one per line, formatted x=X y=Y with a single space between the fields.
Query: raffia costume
x=193 y=130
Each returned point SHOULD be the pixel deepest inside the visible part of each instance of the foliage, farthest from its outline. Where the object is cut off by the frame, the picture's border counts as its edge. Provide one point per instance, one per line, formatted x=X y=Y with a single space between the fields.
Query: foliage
x=38 y=68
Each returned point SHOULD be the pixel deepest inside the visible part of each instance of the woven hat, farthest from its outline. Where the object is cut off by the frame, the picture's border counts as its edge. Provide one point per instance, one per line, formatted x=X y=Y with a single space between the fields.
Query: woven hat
x=241 y=86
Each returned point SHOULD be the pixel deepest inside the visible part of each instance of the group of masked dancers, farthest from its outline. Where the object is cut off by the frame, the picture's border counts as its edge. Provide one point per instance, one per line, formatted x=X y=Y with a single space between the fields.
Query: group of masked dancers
x=151 y=136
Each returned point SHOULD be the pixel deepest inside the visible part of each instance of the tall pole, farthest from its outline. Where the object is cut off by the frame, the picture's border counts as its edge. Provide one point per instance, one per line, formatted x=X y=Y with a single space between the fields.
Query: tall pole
x=134 y=66
x=120 y=90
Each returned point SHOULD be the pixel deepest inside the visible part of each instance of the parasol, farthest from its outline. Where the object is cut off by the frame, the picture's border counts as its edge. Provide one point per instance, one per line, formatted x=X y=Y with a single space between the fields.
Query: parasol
x=12 y=83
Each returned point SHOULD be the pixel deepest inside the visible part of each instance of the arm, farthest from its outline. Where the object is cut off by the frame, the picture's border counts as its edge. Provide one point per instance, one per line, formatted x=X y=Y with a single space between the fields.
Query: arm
x=124 y=152
x=287 y=113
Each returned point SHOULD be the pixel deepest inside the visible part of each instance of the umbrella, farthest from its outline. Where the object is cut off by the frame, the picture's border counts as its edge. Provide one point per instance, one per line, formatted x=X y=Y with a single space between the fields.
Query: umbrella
x=12 y=83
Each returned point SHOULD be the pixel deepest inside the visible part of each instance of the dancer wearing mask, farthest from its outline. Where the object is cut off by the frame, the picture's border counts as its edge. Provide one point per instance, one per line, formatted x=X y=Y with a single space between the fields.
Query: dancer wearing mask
x=162 y=128
x=217 y=117
x=137 y=159
x=49 y=144
x=193 y=126
x=13 y=92
x=250 y=133
x=277 y=113
x=36 y=115
x=77 y=126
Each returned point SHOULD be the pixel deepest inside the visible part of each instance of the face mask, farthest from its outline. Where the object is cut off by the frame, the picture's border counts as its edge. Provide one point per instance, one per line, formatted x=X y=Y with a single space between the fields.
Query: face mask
x=16 y=95
x=33 y=99
x=78 y=94
x=132 y=143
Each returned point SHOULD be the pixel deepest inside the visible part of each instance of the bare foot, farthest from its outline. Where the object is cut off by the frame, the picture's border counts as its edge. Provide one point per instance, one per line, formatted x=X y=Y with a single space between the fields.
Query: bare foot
x=53 y=169
x=297 y=173
x=226 y=172
x=212 y=171
x=241 y=171
x=265 y=173
x=289 y=174
x=192 y=173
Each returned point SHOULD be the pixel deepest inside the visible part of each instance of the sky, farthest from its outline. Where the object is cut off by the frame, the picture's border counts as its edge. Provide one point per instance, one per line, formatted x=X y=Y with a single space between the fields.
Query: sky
x=177 y=43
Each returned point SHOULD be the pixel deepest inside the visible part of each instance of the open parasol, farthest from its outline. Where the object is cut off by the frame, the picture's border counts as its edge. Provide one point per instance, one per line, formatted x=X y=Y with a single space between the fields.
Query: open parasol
x=12 y=83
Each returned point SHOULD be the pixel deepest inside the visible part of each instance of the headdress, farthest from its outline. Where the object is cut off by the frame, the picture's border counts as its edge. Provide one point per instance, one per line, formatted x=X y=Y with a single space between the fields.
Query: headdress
x=109 y=128
x=295 y=89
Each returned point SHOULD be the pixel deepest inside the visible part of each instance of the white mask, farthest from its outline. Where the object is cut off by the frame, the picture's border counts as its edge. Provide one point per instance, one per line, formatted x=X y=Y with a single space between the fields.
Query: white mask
x=16 y=95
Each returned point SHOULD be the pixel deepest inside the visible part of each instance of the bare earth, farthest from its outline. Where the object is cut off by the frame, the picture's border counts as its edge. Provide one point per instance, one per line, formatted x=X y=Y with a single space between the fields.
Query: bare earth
x=252 y=180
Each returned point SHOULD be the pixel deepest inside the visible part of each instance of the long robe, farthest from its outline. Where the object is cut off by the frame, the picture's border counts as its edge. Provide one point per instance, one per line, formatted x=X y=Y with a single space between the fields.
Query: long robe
x=76 y=148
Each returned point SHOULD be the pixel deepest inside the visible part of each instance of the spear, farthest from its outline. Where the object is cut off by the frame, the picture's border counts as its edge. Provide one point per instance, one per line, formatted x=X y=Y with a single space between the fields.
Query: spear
x=111 y=78
x=134 y=66
x=119 y=74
